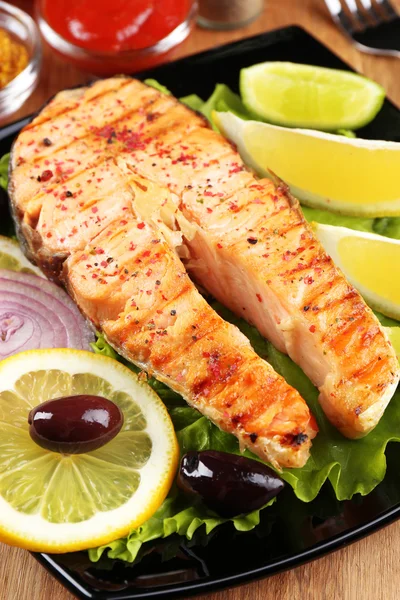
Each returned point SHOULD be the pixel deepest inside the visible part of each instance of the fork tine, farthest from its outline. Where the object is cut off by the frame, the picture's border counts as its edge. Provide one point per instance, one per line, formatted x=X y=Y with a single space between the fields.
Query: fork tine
x=356 y=13
x=387 y=9
x=371 y=12
x=340 y=16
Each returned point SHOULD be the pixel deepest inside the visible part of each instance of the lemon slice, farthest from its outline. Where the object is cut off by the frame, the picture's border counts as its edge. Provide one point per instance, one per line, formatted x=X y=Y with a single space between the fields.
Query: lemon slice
x=332 y=172
x=50 y=502
x=299 y=95
x=12 y=258
x=370 y=262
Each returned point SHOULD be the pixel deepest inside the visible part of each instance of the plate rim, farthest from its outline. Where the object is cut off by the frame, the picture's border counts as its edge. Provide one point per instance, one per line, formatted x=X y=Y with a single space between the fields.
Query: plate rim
x=319 y=550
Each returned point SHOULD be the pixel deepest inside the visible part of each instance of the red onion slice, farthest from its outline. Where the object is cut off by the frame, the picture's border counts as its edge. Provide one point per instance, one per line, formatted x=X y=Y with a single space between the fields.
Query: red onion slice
x=36 y=313
x=18 y=328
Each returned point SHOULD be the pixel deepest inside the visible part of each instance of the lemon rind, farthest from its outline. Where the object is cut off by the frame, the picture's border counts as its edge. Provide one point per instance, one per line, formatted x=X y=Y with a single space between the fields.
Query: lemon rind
x=390 y=208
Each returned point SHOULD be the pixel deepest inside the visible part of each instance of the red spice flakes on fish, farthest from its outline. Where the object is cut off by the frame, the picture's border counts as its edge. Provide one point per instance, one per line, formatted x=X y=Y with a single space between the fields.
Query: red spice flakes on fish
x=45 y=176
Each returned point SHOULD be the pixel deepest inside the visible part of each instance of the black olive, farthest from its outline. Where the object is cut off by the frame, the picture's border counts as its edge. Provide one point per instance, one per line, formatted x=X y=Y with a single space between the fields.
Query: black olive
x=75 y=424
x=230 y=485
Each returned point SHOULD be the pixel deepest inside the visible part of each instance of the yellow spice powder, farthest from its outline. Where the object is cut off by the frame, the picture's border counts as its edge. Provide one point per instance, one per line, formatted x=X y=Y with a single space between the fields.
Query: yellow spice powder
x=13 y=57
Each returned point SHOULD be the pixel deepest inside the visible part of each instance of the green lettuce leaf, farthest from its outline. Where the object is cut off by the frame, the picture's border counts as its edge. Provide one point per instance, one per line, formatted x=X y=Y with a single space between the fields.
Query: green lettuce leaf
x=176 y=515
x=158 y=86
x=100 y=346
x=223 y=99
x=329 y=218
x=347 y=133
x=388 y=226
x=4 y=161
x=193 y=101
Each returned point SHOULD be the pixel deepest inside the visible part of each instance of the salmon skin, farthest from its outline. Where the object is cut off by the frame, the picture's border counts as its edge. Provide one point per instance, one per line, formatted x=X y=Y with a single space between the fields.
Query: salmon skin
x=112 y=235
x=245 y=239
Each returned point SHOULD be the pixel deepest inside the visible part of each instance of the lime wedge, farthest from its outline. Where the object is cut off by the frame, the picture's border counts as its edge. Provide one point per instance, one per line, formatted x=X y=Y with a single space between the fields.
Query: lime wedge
x=370 y=262
x=345 y=175
x=298 y=95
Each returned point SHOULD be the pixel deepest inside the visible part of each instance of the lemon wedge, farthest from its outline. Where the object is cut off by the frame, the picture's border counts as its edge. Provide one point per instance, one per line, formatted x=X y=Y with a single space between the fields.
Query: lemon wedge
x=370 y=262
x=332 y=172
x=12 y=257
x=51 y=502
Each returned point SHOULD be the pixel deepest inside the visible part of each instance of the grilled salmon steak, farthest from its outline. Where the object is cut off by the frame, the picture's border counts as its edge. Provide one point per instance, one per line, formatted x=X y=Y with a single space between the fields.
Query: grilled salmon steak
x=246 y=240
x=91 y=221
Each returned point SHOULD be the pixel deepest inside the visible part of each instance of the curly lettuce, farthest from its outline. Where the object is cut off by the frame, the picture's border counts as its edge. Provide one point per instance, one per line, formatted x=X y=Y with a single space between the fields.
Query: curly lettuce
x=178 y=515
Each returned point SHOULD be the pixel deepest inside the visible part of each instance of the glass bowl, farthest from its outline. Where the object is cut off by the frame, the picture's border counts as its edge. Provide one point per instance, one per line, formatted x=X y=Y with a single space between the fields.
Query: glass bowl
x=111 y=63
x=22 y=27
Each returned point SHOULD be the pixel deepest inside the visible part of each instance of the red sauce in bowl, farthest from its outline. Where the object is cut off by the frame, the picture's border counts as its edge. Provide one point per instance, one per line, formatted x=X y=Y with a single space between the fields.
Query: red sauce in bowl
x=114 y=25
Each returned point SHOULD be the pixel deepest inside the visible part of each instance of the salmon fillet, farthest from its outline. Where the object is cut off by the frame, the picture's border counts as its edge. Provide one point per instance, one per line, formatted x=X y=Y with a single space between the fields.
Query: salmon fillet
x=246 y=239
x=110 y=234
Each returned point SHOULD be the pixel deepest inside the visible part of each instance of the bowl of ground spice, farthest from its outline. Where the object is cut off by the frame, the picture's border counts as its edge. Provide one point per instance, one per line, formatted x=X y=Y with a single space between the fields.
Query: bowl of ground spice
x=20 y=58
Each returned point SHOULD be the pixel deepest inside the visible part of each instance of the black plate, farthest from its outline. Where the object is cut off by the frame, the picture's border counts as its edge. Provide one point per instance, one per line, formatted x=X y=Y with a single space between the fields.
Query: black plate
x=291 y=532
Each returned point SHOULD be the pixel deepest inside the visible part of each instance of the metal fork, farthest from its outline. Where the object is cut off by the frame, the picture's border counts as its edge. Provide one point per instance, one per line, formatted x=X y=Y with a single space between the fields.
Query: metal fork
x=374 y=26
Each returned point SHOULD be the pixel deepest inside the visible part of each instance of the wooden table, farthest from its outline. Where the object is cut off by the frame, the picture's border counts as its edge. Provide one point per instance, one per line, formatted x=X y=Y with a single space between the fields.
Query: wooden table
x=368 y=569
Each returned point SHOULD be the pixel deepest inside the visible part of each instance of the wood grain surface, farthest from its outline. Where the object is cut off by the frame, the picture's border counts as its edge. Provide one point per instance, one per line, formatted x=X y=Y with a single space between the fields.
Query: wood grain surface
x=367 y=569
